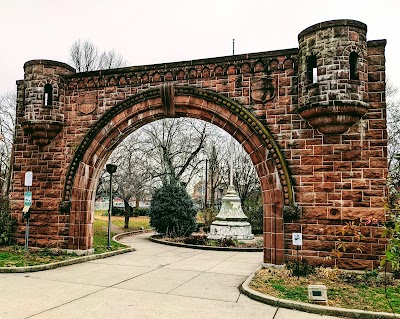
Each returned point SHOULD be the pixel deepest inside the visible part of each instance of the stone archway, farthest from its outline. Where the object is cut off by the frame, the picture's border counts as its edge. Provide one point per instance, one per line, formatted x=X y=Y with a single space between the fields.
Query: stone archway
x=180 y=101
x=338 y=161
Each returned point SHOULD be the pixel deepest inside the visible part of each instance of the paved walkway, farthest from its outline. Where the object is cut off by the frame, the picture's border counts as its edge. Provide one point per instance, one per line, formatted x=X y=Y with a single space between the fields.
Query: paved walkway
x=156 y=281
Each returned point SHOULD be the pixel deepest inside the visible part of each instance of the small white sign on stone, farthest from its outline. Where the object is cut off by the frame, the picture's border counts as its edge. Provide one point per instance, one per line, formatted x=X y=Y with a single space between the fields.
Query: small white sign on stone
x=297 y=239
x=317 y=294
x=28 y=178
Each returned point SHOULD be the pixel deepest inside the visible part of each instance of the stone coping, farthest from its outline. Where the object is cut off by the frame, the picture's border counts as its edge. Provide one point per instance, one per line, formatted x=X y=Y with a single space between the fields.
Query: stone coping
x=156 y=239
x=49 y=63
x=77 y=260
x=187 y=63
x=331 y=24
x=312 y=308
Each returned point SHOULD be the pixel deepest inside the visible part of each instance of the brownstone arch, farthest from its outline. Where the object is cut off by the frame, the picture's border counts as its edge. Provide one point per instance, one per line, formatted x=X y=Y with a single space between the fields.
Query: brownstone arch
x=312 y=118
x=180 y=101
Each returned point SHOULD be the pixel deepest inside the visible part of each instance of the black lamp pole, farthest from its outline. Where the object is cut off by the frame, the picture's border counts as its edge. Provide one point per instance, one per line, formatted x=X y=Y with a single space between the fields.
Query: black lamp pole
x=111 y=169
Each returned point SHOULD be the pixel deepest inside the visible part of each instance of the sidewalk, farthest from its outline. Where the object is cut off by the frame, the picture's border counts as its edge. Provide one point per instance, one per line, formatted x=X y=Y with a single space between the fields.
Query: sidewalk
x=156 y=281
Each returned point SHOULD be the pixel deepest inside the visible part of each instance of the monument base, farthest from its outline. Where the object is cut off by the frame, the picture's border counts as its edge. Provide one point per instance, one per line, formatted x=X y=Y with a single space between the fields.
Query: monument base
x=230 y=229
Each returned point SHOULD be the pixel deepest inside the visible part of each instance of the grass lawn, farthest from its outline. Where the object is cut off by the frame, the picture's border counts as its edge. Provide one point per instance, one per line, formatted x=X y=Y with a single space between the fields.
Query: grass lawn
x=117 y=227
x=356 y=292
x=14 y=256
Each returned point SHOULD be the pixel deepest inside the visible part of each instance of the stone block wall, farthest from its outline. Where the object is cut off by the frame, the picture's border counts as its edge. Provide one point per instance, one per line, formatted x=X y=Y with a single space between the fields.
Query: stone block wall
x=334 y=178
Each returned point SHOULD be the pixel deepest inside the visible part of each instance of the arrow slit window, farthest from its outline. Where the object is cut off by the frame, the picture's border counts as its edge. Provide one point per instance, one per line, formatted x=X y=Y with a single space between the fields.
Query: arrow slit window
x=353 y=59
x=312 y=73
x=48 y=94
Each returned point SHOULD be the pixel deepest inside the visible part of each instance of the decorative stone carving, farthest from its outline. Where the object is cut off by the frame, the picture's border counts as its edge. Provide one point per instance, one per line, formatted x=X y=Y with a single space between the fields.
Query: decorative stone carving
x=42 y=132
x=167 y=97
x=263 y=89
x=87 y=102
x=335 y=117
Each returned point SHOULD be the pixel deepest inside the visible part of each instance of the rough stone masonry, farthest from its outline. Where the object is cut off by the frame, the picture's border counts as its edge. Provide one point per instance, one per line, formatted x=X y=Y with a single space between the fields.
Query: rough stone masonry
x=313 y=120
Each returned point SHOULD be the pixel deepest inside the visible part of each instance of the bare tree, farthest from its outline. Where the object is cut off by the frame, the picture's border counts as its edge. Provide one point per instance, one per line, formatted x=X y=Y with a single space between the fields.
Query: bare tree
x=84 y=56
x=166 y=151
x=245 y=176
x=217 y=153
x=173 y=146
x=133 y=179
x=393 y=121
x=175 y=150
x=7 y=128
x=393 y=127
x=110 y=60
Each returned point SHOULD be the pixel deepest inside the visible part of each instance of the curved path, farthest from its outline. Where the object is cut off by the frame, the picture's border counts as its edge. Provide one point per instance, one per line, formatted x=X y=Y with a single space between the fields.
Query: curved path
x=156 y=281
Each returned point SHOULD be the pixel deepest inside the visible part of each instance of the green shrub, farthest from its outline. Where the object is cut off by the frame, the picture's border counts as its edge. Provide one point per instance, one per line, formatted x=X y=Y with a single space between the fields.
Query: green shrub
x=141 y=211
x=371 y=278
x=118 y=211
x=253 y=209
x=8 y=224
x=300 y=268
x=200 y=227
x=196 y=240
x=171 y=211
x=208 y=216
x=391 y=229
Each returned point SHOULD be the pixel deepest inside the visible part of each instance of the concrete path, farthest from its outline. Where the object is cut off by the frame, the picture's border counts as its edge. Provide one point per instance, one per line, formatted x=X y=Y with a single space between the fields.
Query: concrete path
x=156 y=281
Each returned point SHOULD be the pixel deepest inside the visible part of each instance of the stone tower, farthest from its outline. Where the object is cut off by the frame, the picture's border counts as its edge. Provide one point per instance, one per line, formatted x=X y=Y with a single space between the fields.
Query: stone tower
x=333 y=78
x=43 y=104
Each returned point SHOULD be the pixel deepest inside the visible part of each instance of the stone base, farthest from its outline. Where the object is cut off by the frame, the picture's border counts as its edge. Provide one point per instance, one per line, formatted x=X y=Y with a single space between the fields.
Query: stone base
x=230 y=229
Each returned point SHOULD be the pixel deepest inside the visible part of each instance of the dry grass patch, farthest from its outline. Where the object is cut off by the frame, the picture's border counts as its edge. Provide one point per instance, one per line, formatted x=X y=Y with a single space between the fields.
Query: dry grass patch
x=365 y=291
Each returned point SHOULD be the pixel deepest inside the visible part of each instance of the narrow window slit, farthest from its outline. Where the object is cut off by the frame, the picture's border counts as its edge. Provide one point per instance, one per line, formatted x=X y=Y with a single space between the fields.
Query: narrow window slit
x=48 y=95
x=312 y=70
x=353 y=59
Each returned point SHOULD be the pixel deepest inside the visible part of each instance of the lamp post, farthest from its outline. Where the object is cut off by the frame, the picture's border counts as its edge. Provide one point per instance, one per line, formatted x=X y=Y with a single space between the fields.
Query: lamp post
x=111 y=169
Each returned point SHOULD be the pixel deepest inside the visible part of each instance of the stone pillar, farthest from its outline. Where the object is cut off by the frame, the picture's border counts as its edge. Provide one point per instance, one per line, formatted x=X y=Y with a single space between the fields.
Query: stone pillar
x=39 y=147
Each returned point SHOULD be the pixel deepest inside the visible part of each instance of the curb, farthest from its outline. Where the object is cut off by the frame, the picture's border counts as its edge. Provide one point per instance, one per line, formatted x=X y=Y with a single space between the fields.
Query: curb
x=77 y=260
x=154 y=239
x=130 y=233
x=63 y=263
x=311 y=308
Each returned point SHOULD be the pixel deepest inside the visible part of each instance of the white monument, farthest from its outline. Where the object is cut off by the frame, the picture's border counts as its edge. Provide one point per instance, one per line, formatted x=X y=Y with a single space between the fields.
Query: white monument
x=231 y=221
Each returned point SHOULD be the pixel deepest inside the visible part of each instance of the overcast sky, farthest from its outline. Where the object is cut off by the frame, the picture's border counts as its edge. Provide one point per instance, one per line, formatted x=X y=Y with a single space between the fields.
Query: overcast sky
x=154 y=31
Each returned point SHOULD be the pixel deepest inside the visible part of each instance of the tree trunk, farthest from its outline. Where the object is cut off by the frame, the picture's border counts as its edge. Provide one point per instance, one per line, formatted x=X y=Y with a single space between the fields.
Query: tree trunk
x=127 y=213
x=212 y=190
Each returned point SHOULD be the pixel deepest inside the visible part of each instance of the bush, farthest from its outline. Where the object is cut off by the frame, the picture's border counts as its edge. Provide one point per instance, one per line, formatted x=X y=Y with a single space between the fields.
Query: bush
x=208 y=216
x=226 y=242
x=196 y=240
x=118 y=211
x=391 y=229
x=171 y=211
x=300 y=268
x=370 y=278
x=253 y=209
x=291 y=212
x=141 y=211
x=8 y=224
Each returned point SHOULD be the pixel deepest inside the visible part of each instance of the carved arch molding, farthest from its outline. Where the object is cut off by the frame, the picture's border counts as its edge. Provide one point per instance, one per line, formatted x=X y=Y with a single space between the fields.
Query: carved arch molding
x=167 y=93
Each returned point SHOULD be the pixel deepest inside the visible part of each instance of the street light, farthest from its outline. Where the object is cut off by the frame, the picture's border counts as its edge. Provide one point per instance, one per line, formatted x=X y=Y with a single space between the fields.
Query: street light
x=111 y=169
